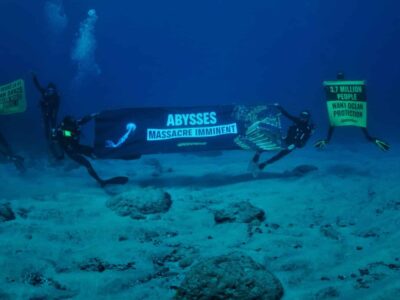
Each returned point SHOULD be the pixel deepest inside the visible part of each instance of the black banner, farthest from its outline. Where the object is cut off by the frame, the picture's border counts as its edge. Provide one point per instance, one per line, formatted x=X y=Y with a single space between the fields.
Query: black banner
x=128 y=132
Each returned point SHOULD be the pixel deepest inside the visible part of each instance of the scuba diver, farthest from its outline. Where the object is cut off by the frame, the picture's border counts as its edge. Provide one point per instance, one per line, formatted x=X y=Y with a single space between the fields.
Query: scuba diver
x=49 y=105
x=6 y=151
x=321 y=144
x=68 y=134
x=297 y=136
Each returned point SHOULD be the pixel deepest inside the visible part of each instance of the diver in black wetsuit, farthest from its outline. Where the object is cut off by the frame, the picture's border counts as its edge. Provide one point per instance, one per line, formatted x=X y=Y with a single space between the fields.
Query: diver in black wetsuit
x=49 y=104
x=68 y=136
x=5 y=150
x=296 y=137
x=382 y=145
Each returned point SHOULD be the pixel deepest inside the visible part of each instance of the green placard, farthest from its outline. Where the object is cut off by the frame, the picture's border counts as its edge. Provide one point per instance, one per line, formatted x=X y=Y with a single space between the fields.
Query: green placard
x=346 y=103
x=12 y=98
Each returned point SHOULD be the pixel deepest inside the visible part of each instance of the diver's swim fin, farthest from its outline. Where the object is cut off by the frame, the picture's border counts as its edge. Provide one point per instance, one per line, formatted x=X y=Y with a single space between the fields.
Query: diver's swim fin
x=382 y=145
x=115 y=180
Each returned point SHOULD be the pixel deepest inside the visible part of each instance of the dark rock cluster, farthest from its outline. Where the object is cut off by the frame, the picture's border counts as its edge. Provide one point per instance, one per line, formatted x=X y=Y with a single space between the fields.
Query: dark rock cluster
x=363 y=278
x=234 y=276
x=139 y=203
x=240 y=212
x=97 y=265
x=52 y=289
x=6 y=213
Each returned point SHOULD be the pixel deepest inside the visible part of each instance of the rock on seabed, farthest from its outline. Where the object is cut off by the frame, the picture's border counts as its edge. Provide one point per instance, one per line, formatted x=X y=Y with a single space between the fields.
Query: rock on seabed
x=234 y=276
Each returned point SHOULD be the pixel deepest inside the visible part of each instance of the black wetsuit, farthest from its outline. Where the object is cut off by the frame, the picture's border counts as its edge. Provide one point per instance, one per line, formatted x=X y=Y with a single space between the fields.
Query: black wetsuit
x=297 y=136
x=49 y=104
x=68 y=137
x=6 y=151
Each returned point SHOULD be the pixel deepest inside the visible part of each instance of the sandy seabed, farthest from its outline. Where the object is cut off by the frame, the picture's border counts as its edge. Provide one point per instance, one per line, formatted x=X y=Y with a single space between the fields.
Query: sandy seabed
x=332 y=233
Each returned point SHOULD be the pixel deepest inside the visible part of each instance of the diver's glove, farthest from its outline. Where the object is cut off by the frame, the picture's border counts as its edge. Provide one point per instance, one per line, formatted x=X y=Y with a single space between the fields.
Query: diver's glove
x=381 y=145
x=321 y=144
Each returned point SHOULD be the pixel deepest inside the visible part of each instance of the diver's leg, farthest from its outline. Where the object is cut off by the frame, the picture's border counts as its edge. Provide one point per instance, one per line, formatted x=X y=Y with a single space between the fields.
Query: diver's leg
x=80 y=159
x=46 y=124
x=367 y=135
x=84 y=162
x=275 y=158
x=5 y=148
x=85 y=150
x=53 y=146
x=384 y=146
x=253 y=164
x=256 y=157
x=56 y=150
x=53 y=118
x=88 y=151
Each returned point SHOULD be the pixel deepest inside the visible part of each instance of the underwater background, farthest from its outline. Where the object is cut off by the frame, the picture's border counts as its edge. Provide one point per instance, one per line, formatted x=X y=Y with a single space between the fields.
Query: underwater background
x=331 y=221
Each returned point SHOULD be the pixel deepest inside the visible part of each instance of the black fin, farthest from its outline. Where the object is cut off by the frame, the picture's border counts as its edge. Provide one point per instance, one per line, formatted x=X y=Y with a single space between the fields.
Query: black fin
x=115 y=180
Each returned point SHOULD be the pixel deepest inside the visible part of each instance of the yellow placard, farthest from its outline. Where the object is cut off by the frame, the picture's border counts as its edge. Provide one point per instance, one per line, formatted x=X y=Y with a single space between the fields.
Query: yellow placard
x=346 y=103
x=12 y=98
x=347 y=113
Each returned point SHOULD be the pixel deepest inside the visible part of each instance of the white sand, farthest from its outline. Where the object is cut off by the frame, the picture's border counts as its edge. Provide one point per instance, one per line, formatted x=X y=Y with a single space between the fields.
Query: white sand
x=356 y=191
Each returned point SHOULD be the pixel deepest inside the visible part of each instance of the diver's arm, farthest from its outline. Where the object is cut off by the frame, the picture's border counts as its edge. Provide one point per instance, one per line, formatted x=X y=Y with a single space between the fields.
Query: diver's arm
x=286 y=114
x=330 y=133
x=321 y=144
x=37 y=84
x=384 y=146
x=87 y=119
x=367 y=135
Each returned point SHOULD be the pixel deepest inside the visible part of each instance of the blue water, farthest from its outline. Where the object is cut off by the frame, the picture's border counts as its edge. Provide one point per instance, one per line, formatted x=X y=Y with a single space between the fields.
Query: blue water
x=193 y=53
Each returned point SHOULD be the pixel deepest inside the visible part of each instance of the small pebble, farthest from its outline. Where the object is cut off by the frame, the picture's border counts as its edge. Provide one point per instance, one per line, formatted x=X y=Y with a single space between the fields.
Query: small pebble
x=297 y=246
x=275 y=226
x=363 y=272
x=122 y=238
x=325 y=278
